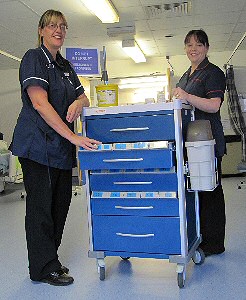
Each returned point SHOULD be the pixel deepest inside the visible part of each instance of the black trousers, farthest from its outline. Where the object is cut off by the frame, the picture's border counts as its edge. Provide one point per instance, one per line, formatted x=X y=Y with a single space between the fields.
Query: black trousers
x=49 y=192
x=212 y=217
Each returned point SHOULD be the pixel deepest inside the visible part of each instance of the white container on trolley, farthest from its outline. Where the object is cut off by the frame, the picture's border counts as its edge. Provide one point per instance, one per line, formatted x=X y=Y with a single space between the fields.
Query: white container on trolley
x=201 y=164
x=201 y=156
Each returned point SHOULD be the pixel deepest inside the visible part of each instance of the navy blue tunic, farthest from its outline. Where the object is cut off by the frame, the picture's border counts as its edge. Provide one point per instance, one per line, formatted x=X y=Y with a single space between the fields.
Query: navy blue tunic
x=33 y=138
x=207 y=81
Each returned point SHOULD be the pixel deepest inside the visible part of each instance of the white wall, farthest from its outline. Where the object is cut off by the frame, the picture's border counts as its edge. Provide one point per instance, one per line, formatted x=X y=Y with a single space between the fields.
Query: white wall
x=10 y=102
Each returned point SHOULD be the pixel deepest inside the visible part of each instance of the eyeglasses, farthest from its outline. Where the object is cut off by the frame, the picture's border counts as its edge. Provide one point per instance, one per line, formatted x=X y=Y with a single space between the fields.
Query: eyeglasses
x=54 y=27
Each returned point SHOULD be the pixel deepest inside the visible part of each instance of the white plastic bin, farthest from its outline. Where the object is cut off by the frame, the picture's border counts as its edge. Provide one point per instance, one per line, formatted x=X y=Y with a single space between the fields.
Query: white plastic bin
x=201 y=165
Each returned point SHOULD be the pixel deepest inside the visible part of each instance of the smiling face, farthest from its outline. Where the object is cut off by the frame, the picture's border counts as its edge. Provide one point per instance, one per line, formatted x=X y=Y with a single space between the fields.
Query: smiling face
x=195 y=51
x=53 y=34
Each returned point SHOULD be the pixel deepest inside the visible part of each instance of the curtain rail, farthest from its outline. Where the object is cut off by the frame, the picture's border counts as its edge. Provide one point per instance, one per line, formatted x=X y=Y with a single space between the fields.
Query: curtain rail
x=239 y=43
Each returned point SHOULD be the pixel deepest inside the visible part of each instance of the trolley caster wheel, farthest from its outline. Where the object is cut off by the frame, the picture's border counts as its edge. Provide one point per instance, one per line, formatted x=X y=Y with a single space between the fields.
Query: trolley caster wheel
x=181 y=280
x=198 y=257
x=102 y=273
x=125 y=258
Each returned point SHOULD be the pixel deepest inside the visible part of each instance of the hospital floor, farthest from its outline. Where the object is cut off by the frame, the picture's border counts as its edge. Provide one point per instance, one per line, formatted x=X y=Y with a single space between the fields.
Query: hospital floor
x=219 y=277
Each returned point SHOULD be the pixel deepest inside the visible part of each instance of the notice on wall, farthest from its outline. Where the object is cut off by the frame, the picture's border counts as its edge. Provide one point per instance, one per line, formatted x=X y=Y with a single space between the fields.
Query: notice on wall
x=85 y=61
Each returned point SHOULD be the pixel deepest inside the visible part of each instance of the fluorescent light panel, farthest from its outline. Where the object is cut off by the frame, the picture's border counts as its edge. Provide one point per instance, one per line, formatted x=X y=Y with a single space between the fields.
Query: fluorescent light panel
x=143 y=82
x=10 y=55
x=158 y=85
x=132 y=49
x=103 y=9
x=144 y=79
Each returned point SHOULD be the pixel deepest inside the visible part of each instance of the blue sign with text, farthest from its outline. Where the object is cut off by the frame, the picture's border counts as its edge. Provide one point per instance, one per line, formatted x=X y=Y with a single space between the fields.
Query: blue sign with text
x=85 y=61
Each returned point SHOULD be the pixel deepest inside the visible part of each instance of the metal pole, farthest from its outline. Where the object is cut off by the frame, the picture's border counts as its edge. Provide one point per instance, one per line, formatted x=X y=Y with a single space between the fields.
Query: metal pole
x=239 y=43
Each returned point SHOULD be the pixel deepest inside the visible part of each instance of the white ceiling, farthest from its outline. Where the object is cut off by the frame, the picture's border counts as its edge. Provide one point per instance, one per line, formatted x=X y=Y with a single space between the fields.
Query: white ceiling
x=223 y=20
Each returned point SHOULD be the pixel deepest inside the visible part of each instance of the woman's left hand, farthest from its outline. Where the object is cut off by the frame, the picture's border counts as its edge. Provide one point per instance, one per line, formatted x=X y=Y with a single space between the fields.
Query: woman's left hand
x=75 y=109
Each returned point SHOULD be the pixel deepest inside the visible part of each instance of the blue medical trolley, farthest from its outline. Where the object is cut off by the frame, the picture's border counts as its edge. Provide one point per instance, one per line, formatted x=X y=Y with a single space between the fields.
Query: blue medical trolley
x=139 y=204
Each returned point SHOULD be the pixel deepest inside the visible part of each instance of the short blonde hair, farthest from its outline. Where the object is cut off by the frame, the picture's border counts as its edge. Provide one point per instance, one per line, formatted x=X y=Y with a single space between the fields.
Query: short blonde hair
x=46 y=18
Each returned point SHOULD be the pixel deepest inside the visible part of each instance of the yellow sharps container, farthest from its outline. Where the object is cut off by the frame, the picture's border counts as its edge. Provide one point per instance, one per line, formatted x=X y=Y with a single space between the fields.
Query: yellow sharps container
x=107 y=95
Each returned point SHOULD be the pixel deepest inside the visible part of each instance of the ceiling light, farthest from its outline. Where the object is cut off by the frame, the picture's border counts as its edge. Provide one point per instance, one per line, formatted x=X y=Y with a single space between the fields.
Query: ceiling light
x=103 y=9
x=132 y=49
x=10 y=55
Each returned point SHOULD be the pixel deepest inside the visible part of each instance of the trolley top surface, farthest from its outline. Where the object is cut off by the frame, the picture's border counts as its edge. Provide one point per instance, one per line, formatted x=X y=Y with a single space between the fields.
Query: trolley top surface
x=175 y=105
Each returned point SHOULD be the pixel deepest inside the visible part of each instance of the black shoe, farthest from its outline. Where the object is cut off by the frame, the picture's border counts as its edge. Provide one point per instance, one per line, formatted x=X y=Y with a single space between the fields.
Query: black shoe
x=58 y=278
x=65 y=269
x=213 y=253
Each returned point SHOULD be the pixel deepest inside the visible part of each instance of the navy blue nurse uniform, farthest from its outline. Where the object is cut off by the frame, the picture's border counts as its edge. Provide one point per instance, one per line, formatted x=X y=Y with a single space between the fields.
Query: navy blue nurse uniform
x=33 y=138
x=46 y=157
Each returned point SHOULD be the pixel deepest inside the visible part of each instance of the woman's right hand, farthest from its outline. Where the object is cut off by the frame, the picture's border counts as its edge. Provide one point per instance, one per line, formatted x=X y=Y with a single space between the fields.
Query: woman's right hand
x=85 y=142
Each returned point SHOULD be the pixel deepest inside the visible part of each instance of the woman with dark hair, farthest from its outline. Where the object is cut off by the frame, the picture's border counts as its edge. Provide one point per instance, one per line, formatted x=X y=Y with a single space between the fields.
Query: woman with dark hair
x=45 y=142
x=203 y=86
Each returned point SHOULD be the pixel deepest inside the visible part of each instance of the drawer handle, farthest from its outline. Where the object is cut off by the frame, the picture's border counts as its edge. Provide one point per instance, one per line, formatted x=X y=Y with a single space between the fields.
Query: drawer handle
x=122 y=160
x=129 y=129
x=134 y=207
x=133 y=182
x=135 y=235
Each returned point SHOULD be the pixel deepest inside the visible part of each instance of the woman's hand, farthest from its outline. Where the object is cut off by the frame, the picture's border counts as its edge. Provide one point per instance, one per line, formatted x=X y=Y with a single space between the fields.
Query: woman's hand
x=85 y=142
x=75 y=109
x=209 y=105
x=180 y=94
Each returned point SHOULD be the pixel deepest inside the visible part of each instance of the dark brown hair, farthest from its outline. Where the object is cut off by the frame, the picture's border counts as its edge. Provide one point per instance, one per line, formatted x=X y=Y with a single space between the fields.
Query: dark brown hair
x=199 y=34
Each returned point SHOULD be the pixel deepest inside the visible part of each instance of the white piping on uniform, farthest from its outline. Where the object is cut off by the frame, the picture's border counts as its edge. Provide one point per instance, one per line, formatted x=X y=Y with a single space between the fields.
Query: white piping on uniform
x=78 y=87
x=35 y=78
x=46 y=55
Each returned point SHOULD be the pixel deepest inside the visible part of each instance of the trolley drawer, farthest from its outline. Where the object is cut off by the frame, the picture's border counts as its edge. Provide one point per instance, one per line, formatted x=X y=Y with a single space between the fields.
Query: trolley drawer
x=126 y=159
x=136 y=234
x=135 y=207
x=131 y=129
x=134 y=182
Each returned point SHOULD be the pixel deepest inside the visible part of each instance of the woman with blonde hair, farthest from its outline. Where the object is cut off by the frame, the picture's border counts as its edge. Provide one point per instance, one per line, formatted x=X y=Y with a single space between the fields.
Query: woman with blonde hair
x=45 y=142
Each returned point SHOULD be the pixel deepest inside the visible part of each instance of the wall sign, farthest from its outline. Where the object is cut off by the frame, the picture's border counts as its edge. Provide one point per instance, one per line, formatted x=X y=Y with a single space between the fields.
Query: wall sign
x=85 y=61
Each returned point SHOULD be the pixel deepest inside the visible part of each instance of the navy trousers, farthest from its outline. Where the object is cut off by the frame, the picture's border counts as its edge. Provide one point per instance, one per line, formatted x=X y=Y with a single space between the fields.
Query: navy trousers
x=49 y=192
x=212 y=217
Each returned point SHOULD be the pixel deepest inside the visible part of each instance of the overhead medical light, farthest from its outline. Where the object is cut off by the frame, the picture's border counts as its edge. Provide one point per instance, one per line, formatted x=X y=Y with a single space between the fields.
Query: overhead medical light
x=103 y=9
x=132 y=49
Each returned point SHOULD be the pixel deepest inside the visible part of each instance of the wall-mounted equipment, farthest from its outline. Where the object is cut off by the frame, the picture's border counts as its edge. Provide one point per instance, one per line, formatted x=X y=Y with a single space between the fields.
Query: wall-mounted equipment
x=121 y=29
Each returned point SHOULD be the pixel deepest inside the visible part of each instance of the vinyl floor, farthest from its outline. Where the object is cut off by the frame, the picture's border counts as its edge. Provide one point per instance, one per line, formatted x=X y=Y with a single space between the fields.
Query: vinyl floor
x=219 y=277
